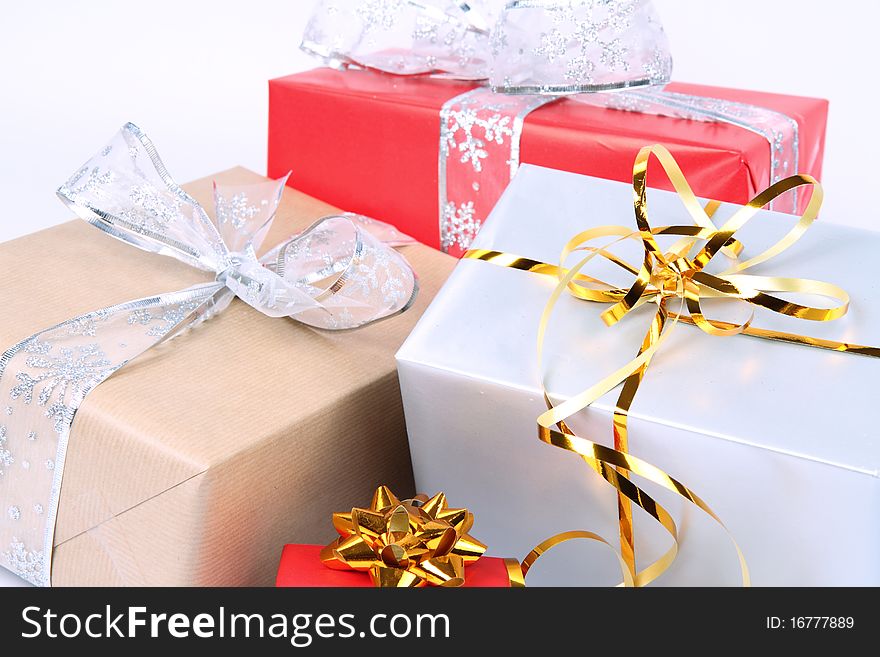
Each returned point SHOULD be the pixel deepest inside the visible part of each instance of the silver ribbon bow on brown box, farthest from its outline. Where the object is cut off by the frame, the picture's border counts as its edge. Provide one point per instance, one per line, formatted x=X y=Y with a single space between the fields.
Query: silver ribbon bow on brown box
x=341 y=273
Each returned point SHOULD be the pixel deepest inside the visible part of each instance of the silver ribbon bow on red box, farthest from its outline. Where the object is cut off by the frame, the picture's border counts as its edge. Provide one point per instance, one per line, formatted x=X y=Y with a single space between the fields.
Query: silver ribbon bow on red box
x=525 y=54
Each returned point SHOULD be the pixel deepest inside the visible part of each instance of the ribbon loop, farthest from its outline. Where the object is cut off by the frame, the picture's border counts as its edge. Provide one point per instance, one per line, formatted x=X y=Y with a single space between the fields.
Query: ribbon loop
x=523 y=46
x=245 y=212
x=126 y=191
x=403 y=37
x=351 y=277
x=578 y=46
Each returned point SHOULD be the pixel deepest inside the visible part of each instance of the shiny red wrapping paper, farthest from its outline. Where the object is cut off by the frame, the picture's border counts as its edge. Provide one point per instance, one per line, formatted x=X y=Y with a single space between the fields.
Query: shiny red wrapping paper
x=301 y=566
x=369 y=142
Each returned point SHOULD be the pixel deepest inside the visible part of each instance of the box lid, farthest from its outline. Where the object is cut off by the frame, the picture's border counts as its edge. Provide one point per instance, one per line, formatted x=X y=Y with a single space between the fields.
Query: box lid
x=793 y=399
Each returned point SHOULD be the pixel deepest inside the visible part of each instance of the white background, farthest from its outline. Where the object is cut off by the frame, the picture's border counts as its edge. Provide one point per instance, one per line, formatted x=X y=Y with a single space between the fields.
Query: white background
x=194 y=76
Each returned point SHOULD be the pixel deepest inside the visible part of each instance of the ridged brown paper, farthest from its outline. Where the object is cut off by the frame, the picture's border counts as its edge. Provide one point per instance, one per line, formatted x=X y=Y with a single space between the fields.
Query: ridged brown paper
x=196 y=463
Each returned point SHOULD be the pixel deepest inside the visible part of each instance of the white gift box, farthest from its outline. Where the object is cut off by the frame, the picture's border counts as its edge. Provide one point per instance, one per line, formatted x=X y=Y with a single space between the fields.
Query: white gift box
x=781 y=440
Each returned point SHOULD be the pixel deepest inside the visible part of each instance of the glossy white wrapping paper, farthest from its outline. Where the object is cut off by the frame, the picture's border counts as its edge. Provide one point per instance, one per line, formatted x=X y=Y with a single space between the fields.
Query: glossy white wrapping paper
x=781 y=440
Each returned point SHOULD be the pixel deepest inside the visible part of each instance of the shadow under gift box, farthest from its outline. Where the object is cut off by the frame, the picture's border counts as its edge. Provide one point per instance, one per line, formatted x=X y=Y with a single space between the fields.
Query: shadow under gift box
x=781 y=440
x=194 y=463
x=374 y=131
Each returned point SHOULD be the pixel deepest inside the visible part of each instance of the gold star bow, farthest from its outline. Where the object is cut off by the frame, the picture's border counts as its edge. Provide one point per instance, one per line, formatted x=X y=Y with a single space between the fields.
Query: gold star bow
x=414 y=542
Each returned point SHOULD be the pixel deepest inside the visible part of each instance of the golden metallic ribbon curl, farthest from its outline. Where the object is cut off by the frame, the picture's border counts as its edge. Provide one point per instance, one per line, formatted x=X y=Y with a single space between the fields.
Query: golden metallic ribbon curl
x=674 y=277
x=413 y=542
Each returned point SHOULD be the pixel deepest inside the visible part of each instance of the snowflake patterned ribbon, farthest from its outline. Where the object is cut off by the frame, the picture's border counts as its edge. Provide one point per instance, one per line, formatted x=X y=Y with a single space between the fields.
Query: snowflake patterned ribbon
x=341 y=273
x=527 y=53
x=524 y=46
x=479 y=146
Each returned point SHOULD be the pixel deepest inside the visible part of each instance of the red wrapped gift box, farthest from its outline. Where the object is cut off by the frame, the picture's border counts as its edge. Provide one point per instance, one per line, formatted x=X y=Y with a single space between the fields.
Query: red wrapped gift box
x=301 y=566
x=369 y=142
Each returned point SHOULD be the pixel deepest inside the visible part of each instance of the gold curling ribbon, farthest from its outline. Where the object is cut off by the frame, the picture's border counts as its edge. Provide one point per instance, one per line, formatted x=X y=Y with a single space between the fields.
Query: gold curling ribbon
x=674 y=277
x=405 y=543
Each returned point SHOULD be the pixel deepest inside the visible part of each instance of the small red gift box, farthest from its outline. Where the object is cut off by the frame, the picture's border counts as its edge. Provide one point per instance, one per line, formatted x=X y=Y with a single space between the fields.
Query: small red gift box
x=370 y=142
x=301 y=566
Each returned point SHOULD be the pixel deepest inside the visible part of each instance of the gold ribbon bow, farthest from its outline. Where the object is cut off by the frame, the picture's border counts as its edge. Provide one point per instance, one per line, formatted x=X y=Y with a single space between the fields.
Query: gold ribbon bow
x=666 y=278
x=413 y=542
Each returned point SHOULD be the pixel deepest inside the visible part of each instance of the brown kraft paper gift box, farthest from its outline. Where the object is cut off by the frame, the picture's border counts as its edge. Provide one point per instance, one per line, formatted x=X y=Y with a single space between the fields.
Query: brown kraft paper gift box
x=195 y=463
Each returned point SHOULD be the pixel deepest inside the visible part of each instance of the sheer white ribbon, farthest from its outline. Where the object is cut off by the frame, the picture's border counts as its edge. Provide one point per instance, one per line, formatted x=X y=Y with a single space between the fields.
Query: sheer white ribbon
x=523 y=46
x=341 y=273
x=527 y=53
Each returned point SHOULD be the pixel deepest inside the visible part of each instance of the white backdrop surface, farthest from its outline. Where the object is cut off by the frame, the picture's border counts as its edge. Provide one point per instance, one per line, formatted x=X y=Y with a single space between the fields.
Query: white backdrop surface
x=194 y=76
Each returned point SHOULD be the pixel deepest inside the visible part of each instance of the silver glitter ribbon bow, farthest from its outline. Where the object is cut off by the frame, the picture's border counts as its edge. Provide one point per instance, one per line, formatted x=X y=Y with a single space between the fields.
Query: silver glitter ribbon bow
x=525 y=54
x=341 y=273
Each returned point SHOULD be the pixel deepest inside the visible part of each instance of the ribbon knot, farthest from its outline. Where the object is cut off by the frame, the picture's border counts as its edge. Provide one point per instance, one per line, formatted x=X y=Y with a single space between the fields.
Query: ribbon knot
x=340 y=273
x=233 y=269
x=679 y=273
